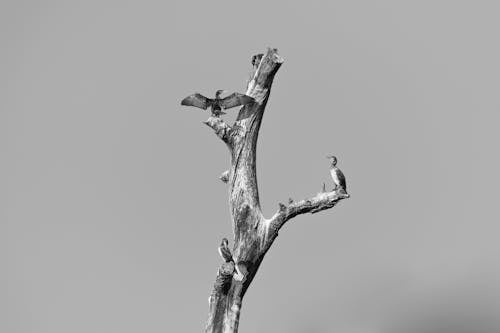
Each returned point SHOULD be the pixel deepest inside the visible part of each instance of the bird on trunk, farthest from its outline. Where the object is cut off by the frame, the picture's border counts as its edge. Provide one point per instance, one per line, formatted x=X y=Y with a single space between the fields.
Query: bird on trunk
x=224 y=251
x=217 y=104
x=337 y=175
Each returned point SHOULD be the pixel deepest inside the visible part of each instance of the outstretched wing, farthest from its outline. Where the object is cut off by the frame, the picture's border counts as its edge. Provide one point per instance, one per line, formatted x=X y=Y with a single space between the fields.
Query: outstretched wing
x=235 y=99
x=197 y=100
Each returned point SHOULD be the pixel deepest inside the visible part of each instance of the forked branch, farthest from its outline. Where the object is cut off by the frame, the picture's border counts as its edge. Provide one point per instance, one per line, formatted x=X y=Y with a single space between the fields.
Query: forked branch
x=253 y=234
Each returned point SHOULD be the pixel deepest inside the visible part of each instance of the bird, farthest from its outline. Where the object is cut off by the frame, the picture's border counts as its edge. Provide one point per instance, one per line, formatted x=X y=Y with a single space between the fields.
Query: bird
x=218 y=104
x=224 y=251
x=337 y=175
x=256 y=59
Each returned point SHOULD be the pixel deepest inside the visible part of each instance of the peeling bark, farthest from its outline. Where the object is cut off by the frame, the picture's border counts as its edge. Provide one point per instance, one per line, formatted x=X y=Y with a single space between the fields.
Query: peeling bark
x=253 y=234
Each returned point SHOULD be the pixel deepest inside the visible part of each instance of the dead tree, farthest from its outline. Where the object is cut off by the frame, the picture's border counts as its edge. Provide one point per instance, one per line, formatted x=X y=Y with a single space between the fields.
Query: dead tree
x=253 y=233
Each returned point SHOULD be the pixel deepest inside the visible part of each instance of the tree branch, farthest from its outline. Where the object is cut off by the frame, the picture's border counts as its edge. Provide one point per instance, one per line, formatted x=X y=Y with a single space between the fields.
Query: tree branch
x=221 y=129
x=218 y=299
x=321 y=201
x=253 y=234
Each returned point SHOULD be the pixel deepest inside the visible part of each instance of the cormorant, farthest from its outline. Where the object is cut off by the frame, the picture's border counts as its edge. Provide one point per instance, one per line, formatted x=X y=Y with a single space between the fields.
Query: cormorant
x=224 y=251
x=256 y=59
x=337 y=175
x=218 y=104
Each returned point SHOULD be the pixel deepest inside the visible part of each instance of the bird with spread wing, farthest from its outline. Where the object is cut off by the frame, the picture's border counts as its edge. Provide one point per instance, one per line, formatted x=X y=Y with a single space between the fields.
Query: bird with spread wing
x=217 y=104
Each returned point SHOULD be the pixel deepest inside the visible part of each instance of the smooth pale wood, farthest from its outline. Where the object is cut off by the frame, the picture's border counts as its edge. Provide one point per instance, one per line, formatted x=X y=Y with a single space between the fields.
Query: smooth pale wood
x=253 y=234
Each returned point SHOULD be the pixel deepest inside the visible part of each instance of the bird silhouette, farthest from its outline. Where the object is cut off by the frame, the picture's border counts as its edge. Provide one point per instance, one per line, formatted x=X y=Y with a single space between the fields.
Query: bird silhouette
x=217 y=104
x=337 y=175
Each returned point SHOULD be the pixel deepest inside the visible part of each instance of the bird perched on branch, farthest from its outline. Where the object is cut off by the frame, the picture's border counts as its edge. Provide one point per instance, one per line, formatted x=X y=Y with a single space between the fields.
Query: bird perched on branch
x=337 y=175
x=218 y=104
x=256 y=59
x=224 y=251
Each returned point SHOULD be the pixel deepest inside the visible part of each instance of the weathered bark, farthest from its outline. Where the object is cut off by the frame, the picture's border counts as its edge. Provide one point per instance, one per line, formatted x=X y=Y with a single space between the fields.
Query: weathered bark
x=253 y=234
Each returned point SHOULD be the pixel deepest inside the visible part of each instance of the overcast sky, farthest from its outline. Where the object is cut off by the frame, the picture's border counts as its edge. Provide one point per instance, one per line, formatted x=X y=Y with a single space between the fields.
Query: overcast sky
x=112 y=210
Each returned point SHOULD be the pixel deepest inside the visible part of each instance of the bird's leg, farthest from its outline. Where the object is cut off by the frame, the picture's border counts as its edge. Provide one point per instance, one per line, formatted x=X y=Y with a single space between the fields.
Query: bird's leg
x=218 y=113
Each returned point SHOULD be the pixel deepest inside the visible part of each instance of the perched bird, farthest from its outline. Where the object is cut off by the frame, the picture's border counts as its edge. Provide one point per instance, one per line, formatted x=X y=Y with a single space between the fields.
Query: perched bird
x=256 y=59
x=224 y=251
x=218 y=104
x=337 y=175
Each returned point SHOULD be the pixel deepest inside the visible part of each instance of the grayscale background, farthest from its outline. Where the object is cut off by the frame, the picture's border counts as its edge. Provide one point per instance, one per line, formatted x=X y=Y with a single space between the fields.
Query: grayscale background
x=111 y=207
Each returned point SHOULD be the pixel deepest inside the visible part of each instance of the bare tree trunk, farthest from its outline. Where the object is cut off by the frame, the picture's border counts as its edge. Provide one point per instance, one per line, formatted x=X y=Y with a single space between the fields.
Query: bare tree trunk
x=253 y=234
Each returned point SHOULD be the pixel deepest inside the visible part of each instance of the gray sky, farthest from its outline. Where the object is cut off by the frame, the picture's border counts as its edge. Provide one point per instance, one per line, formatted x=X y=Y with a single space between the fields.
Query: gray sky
x=112 y=208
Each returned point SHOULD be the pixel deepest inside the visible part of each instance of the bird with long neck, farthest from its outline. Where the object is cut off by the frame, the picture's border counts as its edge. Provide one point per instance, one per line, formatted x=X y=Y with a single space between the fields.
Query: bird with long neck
x=224 y=250
x=217 y=104
x=337 y=175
